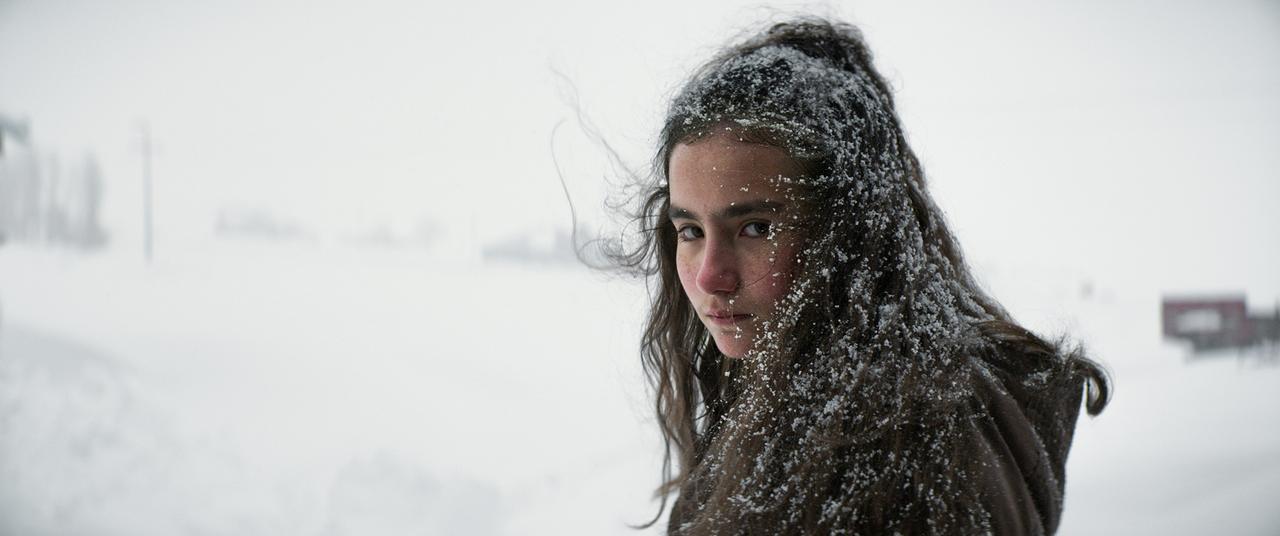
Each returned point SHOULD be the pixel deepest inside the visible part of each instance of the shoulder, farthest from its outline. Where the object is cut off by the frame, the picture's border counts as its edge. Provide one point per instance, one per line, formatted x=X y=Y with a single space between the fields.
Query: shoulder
x=1026 y=409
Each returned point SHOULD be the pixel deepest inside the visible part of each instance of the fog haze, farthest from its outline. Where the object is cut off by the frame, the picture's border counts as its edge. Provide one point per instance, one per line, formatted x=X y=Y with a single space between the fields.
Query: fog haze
x=362 y=315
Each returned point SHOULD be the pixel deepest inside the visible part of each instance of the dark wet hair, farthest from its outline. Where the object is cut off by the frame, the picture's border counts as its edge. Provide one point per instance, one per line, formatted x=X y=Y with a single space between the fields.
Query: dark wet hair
x=846 y=414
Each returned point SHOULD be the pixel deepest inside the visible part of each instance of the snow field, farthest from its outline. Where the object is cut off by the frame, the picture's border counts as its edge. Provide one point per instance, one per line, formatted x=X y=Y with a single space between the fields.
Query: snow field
x=255 y=388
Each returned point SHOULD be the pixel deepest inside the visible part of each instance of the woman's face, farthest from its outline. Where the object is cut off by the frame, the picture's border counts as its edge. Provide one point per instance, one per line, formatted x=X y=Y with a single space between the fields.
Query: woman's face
x=733 y=253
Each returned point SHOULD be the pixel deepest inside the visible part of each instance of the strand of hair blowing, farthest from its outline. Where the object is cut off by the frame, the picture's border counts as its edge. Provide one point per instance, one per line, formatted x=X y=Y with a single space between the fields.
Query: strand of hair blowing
x=850 y=414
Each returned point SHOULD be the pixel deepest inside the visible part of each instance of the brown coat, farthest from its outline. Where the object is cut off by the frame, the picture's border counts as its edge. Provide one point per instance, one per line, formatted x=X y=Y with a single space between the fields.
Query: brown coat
x=1015 y=445
x=1023 y=435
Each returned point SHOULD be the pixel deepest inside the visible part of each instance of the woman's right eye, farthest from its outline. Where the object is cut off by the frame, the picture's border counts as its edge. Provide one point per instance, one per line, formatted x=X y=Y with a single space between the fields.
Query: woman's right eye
x=688 y=232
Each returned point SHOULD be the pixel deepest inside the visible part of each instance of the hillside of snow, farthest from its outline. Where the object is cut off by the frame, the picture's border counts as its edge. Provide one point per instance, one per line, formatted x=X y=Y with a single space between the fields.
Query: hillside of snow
x=251 y=388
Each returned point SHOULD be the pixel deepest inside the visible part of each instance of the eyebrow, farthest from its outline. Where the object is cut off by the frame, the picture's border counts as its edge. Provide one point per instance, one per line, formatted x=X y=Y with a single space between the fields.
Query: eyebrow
x=736 y=210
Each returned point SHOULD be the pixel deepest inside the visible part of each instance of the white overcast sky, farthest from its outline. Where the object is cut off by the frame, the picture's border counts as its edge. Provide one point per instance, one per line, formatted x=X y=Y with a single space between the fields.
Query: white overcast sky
x=1127 y=141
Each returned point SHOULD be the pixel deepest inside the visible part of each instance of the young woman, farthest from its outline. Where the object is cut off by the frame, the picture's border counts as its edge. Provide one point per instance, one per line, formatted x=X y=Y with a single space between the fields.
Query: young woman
x=823 y=361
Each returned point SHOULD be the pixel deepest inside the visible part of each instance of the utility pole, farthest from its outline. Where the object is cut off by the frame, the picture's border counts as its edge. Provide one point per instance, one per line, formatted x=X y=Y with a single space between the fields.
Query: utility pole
x=147 y=224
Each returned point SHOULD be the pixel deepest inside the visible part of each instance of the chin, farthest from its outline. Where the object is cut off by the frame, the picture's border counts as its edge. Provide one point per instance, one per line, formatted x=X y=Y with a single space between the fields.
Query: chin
x=733 y=348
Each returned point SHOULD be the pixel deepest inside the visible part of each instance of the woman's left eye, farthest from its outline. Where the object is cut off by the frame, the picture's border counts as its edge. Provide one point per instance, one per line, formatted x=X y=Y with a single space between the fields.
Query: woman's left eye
x=756 y=229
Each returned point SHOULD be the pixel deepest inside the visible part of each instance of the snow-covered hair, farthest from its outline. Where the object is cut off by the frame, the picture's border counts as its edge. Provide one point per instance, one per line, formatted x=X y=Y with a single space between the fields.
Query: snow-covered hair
x=846 y=415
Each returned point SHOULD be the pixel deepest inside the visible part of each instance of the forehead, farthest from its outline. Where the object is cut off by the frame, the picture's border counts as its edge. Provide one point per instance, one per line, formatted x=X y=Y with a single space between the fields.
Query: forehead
x=719 y=169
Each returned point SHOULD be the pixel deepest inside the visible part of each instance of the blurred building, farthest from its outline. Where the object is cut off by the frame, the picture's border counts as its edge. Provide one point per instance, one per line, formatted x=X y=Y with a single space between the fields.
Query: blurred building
x=540 y=246
x=1215 y=322
x=42 y=200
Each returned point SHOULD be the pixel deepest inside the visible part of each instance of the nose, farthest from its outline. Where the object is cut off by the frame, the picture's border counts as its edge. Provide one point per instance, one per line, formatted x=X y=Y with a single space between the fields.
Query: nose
x=718 y=270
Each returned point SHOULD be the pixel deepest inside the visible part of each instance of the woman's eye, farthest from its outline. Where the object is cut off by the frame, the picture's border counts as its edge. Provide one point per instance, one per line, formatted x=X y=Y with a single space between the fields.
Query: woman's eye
x=756 y=229
x=689 y=232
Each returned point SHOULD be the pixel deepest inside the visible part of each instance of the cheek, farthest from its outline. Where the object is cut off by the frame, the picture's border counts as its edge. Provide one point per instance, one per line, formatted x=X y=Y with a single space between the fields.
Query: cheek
x=778 y=274
x=687 y=270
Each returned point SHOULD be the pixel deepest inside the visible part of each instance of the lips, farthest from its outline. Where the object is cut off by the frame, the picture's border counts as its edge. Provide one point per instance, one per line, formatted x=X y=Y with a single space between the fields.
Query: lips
x=726 y=318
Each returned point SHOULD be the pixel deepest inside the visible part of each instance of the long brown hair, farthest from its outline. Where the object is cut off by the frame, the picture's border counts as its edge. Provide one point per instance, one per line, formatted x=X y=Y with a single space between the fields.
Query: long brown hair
x=846 y=414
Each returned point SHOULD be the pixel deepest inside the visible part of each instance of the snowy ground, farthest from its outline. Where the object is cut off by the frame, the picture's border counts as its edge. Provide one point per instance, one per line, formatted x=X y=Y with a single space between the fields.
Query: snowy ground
x=262 y=388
